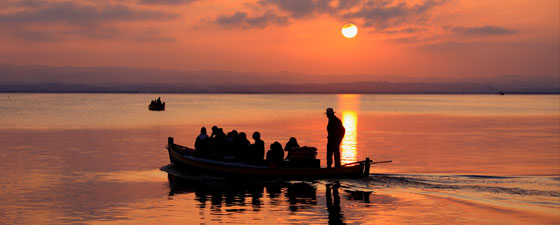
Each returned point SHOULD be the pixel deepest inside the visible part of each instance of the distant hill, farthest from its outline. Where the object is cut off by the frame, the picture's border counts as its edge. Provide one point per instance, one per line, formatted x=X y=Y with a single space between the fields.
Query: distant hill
x=45 y=79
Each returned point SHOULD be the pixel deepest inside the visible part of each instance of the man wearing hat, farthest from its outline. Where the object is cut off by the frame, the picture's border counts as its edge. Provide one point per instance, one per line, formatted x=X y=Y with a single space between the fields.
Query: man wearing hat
x=335 y=132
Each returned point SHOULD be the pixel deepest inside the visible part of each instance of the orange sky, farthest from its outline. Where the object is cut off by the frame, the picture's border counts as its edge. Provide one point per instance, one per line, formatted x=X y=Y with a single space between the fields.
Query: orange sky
x=416 y=38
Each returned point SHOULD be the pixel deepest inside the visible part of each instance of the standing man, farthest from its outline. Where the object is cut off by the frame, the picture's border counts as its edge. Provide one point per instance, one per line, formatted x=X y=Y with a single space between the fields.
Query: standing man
x=335 y=132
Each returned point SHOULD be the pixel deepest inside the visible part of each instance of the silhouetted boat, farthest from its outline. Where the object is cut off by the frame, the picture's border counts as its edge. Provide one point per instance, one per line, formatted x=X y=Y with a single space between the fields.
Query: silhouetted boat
x=183 y=158
x=156 y=105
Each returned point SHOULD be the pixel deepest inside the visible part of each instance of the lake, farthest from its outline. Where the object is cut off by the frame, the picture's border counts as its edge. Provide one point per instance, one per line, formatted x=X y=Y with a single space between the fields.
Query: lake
x=460 y=159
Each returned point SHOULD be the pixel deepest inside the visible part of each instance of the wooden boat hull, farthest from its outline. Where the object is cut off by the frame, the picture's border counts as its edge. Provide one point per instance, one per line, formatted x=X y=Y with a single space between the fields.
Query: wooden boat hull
x=157 y=107
x=190 y=163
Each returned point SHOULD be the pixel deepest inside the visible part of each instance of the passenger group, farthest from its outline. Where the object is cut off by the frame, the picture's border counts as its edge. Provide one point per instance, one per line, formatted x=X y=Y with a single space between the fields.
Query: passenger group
x=234 y=146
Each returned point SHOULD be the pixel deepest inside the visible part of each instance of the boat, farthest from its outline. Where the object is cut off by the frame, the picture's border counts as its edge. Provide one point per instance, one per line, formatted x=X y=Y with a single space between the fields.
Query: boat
x=184 y=158
x=157 y=105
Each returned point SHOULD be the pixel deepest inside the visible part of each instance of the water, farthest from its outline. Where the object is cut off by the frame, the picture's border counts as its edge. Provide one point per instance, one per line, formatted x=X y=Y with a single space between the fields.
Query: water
x=461 y=159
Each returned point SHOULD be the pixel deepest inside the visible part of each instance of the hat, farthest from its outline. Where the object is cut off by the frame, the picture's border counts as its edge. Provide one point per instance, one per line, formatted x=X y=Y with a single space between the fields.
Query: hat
x=330 y=110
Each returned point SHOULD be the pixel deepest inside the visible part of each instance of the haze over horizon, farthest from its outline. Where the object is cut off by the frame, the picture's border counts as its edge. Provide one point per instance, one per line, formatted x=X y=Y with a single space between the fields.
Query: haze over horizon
x=266 y=41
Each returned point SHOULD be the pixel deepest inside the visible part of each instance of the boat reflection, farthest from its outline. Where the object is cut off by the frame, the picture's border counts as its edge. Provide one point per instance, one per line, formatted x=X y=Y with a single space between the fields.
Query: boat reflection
x=242 y=196
x=348 y=146
x=299 y=195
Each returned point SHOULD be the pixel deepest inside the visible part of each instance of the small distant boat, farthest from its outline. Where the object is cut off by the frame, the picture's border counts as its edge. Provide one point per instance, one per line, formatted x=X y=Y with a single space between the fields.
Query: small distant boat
x=501 y=93
x=183 y=158
x=157 y=105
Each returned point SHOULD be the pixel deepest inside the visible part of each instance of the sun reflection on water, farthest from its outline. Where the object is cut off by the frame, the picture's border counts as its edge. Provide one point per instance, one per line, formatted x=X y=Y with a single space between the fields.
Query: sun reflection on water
x=348 y=146
x=349 y=105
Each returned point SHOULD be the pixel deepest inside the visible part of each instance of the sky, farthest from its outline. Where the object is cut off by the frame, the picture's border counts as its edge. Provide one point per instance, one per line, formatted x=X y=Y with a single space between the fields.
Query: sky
x=412 y=38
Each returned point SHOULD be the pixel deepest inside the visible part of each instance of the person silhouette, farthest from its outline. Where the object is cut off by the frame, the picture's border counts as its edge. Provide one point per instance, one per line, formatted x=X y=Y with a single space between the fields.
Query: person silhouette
x=275 y=155
x=255 y=153
x=202 y=143
x=292 y=143
x=258 y=146
x=335 y=131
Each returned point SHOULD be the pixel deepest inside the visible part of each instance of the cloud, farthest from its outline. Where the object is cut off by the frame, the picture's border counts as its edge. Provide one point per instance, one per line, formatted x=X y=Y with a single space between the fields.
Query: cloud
x=242 y=19
x=24 y=3
x=166 y=2
x=304 y=8
x=80 y=14
x=53 y=21
x=481 y=31
x=406 y=30
x=379 y=14
x=298 y=8
x=383 y=14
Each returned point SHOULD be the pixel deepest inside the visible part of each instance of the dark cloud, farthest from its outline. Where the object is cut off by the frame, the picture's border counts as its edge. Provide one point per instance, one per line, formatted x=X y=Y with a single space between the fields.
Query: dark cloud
x=280 y=12
x=23 y=3
x=298 y=8
x=481 y=31
x=51 y=21
x=382 y=14
x=242 y=19
x=166 y=2
x=80 y=14
x=405 y=30
x=379 y=14
x=304 y=8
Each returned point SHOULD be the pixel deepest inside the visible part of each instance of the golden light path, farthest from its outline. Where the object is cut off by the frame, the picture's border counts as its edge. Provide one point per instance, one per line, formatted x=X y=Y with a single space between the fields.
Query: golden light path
x=348 y=147
x=349 y=105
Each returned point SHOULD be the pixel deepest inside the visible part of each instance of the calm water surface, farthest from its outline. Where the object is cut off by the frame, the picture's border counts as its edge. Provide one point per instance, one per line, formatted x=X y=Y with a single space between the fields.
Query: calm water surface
x=462 y=159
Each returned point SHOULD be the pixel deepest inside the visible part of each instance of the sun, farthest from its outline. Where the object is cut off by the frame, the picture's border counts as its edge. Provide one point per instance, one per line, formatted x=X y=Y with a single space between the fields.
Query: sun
x=349 y=30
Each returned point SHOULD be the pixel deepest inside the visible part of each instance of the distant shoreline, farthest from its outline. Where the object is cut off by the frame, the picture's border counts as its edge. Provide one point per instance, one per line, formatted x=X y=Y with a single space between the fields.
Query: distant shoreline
x=280 y=88
x=294 y=93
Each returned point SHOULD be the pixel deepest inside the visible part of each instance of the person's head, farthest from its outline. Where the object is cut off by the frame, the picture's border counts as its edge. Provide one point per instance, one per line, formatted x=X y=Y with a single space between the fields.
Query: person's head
x=243 y=136
x=214 y=128
x=256 y=135
x=330 y=112
x=293 y=140
x=221 y=131
x=276 y=146
x=234 y=133
x=203 y=130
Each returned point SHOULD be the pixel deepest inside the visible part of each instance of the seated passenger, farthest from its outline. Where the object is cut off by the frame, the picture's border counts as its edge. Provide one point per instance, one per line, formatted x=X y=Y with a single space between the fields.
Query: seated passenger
x=242 y=146
x=256 y=150
x=218 y=143
x=230 y=149
x=202 y=143
x=275 y=155
x=292 y=143
x=214 y=131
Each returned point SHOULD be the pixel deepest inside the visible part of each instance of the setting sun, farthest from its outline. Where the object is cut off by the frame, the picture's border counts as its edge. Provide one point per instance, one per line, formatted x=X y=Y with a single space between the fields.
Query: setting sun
x=349 y=30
